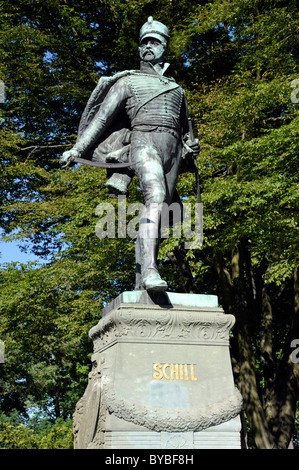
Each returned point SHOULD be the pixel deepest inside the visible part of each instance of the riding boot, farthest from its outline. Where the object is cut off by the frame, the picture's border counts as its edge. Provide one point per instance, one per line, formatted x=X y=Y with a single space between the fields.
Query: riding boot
x=147 y=247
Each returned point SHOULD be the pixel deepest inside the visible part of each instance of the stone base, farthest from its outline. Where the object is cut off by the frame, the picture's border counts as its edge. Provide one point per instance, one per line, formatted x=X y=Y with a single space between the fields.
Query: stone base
x=161 y=377
x=163 y=300
x=223 y=436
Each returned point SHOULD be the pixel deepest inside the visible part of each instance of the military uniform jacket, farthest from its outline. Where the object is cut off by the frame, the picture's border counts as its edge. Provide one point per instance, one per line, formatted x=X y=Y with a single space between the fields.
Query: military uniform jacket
x=137 y=99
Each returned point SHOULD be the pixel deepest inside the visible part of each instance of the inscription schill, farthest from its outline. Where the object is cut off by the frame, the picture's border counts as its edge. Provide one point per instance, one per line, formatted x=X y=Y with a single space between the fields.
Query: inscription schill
x=174 y=371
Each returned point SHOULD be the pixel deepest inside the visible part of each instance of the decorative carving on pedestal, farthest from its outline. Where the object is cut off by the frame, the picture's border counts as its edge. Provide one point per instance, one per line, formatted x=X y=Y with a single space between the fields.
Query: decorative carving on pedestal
x=159 y=325
x=160 y=419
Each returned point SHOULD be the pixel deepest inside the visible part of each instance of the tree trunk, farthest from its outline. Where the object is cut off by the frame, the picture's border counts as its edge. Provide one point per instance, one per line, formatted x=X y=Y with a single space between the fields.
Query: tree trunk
x=237 y=298
x=286 y=385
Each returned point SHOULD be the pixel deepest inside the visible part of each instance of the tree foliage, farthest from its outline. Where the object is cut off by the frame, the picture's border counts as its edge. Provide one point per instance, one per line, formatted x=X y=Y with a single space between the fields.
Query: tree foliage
x=237 y=60
x=40 y=435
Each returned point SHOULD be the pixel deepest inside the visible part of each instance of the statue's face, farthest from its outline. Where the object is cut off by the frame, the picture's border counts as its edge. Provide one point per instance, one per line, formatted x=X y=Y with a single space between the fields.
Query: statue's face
x=152 y=50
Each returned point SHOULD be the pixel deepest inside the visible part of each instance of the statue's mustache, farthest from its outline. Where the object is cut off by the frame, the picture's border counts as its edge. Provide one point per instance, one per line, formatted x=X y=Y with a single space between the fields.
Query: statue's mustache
x=148 y=49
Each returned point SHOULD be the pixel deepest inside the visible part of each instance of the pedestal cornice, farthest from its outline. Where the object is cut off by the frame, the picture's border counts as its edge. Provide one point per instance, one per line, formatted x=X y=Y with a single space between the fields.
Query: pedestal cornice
x=146 y=323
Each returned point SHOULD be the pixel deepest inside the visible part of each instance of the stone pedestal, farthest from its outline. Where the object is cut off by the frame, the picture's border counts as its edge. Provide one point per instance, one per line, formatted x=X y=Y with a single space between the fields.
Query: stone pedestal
x=161 y=377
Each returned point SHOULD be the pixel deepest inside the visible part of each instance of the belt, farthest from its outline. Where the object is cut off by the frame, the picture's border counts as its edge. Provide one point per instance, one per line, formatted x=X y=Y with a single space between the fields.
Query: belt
x=153 y=128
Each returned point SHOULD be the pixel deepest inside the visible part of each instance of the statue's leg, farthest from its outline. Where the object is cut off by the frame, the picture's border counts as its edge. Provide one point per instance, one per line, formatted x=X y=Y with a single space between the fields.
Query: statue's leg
x=148 y=244
x=149 y=171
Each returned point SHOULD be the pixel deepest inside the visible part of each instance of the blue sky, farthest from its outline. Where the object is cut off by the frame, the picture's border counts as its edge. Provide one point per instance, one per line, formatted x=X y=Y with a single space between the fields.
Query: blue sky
x=10 y=252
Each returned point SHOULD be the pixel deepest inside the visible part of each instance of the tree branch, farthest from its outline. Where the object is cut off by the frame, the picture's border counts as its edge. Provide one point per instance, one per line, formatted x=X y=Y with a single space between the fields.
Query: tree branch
x=34 y=147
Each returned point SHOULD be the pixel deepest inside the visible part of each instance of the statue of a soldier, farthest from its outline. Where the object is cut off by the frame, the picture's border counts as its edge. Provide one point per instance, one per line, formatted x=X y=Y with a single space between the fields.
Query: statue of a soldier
x=136 y=122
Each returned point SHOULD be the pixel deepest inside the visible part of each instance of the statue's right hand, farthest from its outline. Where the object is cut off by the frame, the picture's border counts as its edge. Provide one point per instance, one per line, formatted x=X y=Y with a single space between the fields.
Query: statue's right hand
x=66 y=158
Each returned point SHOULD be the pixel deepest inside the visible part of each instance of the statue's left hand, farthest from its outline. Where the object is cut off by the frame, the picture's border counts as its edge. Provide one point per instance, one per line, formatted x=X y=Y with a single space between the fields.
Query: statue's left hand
x=194 y=145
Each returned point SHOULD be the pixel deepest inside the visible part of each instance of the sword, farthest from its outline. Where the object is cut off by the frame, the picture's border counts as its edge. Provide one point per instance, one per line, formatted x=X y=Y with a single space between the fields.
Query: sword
x=101 y=164
x=191 y=135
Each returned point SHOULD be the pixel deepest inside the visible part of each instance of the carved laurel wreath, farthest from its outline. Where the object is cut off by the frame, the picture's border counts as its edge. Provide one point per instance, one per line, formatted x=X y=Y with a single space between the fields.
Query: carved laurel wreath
x=171 y=420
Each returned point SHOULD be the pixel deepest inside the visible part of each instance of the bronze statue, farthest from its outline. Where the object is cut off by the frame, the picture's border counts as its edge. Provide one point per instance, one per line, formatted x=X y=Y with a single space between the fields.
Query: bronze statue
x=137 y=122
